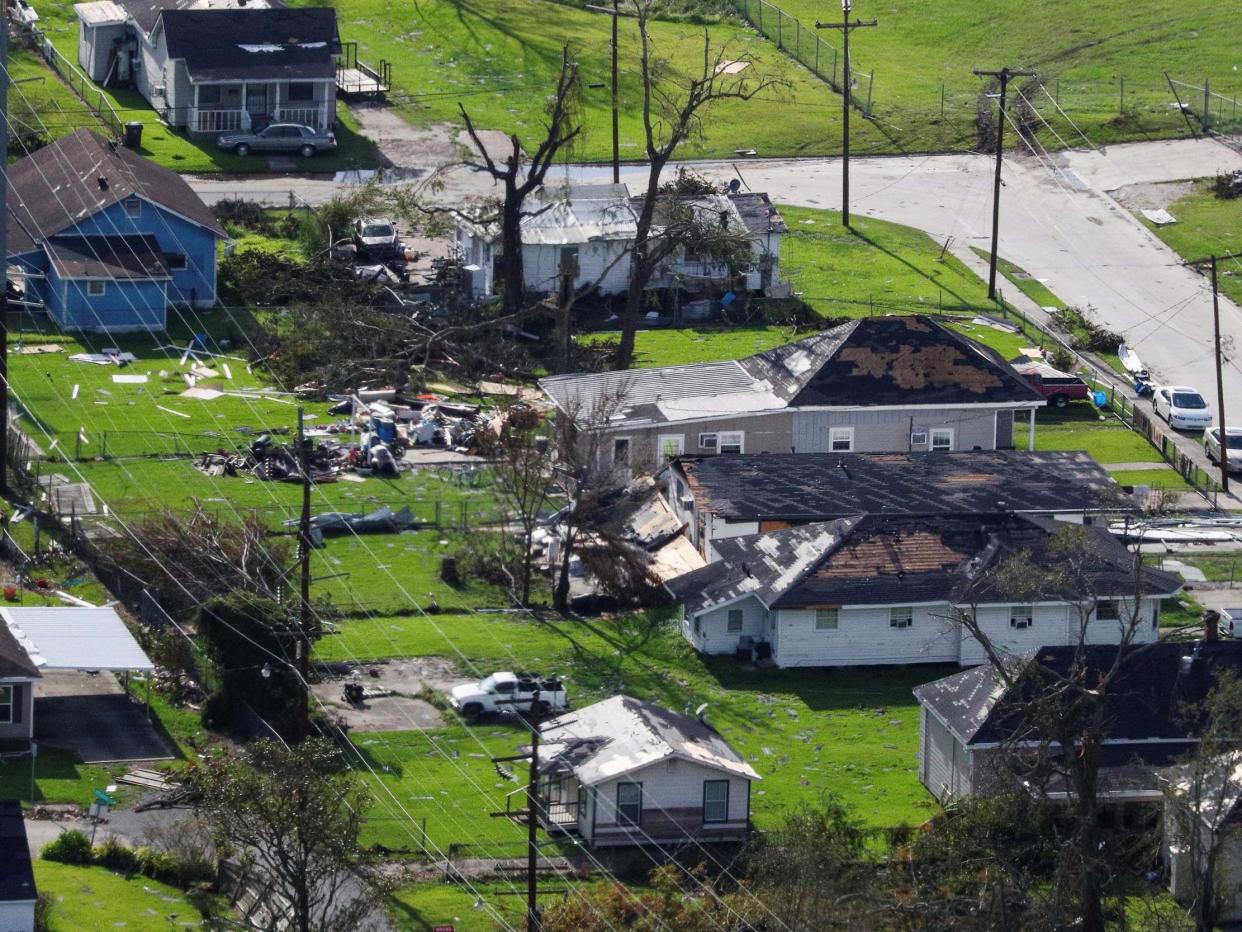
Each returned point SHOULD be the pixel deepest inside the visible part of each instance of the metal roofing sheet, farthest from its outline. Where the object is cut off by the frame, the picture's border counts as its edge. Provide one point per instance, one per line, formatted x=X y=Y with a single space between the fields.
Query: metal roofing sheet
x=76 y=638
x=101 y=13
x=580 y=220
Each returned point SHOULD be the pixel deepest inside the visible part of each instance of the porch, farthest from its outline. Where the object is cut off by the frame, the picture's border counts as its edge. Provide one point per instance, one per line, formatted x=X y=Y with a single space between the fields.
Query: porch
x=250 y=106
x=664 y=826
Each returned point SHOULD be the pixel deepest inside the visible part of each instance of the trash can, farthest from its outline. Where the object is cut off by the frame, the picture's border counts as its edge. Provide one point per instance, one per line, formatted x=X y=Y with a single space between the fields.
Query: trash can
x=133 y=135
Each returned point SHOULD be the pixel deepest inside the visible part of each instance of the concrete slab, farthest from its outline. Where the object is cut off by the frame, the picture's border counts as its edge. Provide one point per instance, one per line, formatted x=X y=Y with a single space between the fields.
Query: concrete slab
x=91 y=715
x=402 y=709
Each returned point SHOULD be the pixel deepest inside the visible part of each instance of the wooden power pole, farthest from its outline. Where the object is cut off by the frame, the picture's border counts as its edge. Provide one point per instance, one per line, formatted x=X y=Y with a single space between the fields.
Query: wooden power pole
x=1004 y=76
x=847 y=92
x=616 y=126
x=304 y=558
x=1222 y=425
x=4 y=293
x=530 y=815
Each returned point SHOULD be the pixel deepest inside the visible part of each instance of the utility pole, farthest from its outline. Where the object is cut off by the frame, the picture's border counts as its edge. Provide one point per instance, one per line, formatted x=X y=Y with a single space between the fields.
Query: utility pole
x=304 y=557
x=4 y=292
x=616 y=125
x=1222 y=425
x=847 y=92
x=1004 y=75
x=533 y=920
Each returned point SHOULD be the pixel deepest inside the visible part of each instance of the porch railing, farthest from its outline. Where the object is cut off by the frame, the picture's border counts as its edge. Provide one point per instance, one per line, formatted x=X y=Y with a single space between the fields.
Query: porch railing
x=215 y=121
x=314 y=117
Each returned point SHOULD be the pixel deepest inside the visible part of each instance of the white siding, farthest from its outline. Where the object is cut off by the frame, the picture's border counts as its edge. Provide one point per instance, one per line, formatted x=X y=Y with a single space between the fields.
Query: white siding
x=673 y=784
x=602 y=261
x=944 y=765
x=17 y=916
x=1049 y=627
x=713 y=635
x=863 y=636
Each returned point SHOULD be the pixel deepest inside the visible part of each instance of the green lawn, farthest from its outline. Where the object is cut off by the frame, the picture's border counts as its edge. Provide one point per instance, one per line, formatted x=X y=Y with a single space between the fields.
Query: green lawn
x=96 y=898
x=1168 y=478
x=1110 y=442
x=422 y=907
x=1223 y=567
x=41 y=102
x=60 y=777
x=1205 y=225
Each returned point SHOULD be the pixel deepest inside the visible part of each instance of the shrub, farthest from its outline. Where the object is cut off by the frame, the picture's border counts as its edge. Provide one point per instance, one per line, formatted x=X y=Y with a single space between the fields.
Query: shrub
x=118 y=857
x=43 y=912
x=1227 y=185
x=72 y=847
x=1063 y=359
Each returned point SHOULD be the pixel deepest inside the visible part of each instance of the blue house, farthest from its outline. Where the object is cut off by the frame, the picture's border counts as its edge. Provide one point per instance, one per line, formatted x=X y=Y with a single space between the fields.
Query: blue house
x=106 y=240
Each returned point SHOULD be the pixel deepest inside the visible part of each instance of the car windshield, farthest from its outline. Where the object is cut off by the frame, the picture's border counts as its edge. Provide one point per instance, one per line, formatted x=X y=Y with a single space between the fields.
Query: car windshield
x=377 y=229
x=488 y=684
x=1188 y=400
x=1235 y=440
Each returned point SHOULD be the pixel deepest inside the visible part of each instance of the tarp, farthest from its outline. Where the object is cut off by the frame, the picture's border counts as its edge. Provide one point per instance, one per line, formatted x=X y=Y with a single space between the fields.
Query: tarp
x=66 y=638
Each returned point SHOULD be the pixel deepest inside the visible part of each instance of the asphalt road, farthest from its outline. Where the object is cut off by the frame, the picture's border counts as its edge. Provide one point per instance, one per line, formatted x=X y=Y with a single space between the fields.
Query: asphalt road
x=1057 y=222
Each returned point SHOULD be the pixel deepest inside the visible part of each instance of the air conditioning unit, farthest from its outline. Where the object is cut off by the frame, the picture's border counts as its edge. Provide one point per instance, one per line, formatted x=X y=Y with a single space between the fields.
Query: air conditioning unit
x=918 y=437
x=1019 y=623
x=686 y=503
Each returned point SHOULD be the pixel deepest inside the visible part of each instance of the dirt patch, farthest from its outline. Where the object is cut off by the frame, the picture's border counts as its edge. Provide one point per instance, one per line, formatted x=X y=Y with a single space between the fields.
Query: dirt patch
x=427 y=147
x=1151 y=196
x=400 y=682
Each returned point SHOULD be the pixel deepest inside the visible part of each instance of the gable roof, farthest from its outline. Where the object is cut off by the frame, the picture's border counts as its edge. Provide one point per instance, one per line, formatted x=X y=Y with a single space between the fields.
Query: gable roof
x=17 y=881
x=146 y=13
x=1156 y=686
x=1218 y=796
x=583 y=214
x=58 y=186
x=621 y=734
x=15 y=663
x=823 y=486
x=900 y=560
x=254 y=44
x=877 y=361
x=114 y=257
x=758 y=213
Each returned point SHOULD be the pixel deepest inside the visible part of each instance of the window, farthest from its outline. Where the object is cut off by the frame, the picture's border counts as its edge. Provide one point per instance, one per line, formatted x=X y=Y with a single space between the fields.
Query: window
x=735 y=620
x=630 y=803
x=583 y=796
x=621 y=451
x=569 y=260
x=133 y=207
x=731 y=441
x=176 y=261
x=840 y=439
x=707 y=441
x=301 y=90
x=208 y=94
x=942 y=439
x=1021 y=616
x=918 y=437
x=6 y=704
x=1155 y=615
x=827 y=619
x=715 y=800
x=901 y=617
x=1107 y=610
x=95 y=288
x=670 y=445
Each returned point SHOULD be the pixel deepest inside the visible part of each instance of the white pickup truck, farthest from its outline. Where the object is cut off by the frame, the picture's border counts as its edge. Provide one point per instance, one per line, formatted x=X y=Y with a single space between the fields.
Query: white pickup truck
x=509 y=692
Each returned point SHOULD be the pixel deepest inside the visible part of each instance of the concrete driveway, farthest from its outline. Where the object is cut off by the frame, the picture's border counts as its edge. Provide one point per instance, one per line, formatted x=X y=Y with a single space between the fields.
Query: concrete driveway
x=91 y=715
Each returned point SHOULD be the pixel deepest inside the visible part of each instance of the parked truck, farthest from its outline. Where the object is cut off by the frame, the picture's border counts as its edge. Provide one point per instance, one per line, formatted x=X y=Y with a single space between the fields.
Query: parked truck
x=1060 y=388
x=503 y=693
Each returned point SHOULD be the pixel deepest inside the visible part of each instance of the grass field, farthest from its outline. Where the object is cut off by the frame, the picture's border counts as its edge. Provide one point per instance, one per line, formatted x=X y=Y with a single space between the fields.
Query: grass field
x=60 y=777
x=96 y=898
x=1206 y=225
x=1167 y=478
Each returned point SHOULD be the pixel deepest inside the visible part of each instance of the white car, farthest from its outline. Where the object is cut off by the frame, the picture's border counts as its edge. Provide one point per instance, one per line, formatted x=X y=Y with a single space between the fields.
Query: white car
x=509 y=692
x=1183 y=407
x=1211 y=446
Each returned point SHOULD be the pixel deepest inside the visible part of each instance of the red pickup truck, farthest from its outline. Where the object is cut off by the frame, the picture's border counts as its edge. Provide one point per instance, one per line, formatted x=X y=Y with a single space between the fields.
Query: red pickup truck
x=1060 y=388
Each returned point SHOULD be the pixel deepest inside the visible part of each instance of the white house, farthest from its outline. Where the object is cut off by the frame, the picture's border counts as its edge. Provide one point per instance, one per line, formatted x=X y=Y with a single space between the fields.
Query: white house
x=17 y=882
x=1214 y=798
x=590 y=229
x=627 y=772
x=893 y=590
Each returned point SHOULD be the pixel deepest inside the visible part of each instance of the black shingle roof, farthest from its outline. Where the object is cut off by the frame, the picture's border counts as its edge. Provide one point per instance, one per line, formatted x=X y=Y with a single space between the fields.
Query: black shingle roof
x=823 y=486
x=1152 y=697
x=17 y=882
x=254 y=44
x=58 y=186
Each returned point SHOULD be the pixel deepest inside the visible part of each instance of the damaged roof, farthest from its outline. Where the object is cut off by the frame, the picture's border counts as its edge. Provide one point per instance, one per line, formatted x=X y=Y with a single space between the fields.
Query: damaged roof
x=878 y=361
x=254 y=44
x=15 y=663
x=77 y=176
x=822 y=486
x=1150 y=698
x=758 y=213
x=108 y=257
x=146 y=13
x=621 y=734
x=584 y=214
x=903 y=560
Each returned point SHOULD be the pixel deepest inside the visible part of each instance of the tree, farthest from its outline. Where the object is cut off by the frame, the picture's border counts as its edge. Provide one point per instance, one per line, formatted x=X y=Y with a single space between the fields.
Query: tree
x=669 y=119
x=292 y=816
x=520 y=177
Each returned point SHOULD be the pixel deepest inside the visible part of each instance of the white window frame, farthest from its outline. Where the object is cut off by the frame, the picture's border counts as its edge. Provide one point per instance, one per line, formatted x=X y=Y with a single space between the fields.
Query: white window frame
x=663 y=444
x=941 y=431
x=714 y=445
x=740 y=617
x=95 y=288
x=1021 y=617
x=716 y=784
x=1115 y=610
x=901 y=616
x=133 y=207
x=622 y=818
x=629 y=446
x=726 y=439
x=8 y=700
x=827 y=618
x=839 y=433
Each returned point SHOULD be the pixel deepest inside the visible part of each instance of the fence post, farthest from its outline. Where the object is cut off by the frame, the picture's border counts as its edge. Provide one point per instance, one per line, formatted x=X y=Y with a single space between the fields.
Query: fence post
x=818 y=42
x=942 y=100
x=1207 y=104
x=77 y=446
x=870 y=88
x=780 y=23
x=834 y=64
x=103 y=453
x=438 y=503
x=761 y=17
x=1121 y=105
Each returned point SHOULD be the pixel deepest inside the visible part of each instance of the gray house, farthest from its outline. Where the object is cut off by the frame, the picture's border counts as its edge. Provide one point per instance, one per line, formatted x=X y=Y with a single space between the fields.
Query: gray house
x=214 y=66
x=1214 y=798
x=17 y=676
x=883 y=384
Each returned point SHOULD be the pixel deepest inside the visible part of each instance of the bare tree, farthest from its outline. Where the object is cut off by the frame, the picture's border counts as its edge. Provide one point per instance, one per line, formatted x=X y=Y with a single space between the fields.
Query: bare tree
x=669 y=119
x=521 y=177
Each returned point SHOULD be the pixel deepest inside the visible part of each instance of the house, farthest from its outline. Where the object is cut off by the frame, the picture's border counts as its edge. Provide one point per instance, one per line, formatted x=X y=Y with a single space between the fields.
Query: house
x=105 y=239
x=18 y=893
x=1212 y=795
x=628 y=772
x=874 y=385
x=716 y=497
x=17 y=677
x=214 y=66
x=590 y=229
x=968 y=719
x=879 y=589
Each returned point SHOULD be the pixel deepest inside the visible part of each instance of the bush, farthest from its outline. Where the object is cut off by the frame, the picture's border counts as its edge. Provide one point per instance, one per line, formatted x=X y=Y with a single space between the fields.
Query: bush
x=1227 y=185
x=1084 y=333
x=43 y=913
x=73 y=847
x=118 y=857
x=1063 y=359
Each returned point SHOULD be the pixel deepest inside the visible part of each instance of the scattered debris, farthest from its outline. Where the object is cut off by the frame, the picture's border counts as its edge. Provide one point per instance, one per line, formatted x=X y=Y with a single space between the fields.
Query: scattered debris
x=109 y=357
x=130 y=379
x=1160 y=217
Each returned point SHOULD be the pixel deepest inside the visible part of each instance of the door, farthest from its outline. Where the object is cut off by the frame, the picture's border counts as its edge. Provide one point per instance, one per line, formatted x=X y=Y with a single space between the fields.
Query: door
x=256 y=105
x=1004 y=430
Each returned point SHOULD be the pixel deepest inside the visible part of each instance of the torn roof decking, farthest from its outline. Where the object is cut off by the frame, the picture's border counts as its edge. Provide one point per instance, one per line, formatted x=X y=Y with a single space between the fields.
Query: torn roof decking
x=823 y=486
x=872 y=362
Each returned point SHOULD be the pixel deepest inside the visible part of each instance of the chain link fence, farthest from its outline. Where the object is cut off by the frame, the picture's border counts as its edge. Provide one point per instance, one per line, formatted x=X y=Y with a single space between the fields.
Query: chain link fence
x=85 y=89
